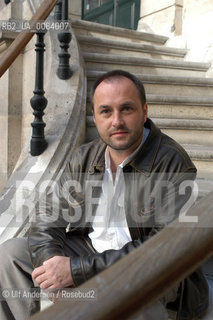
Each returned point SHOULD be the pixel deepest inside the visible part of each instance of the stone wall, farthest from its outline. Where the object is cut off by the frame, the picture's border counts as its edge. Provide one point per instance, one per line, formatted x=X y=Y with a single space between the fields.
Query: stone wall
x=75 y=9
x=188 y=24
x=198 y=29
x=3 y=129
x=161 y=16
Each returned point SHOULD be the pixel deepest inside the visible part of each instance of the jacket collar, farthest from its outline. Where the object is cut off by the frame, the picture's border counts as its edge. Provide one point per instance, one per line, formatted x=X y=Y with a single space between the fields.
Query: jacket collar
x=144 y=160
x=98 y=164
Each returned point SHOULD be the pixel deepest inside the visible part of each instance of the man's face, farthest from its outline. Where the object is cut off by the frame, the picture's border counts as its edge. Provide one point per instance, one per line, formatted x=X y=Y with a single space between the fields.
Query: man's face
x=119 y=115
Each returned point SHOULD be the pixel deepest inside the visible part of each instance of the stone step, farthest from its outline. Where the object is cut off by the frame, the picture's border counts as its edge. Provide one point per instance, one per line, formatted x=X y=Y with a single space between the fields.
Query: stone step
x=105 y=62
x=92 y=28
x=205 y=186
x=180 y=101
x=167 y=85
x=175 y=107
x=198 y=152
x=109 y=46
x=186 y=124
x=202 y=157
x=187 y=132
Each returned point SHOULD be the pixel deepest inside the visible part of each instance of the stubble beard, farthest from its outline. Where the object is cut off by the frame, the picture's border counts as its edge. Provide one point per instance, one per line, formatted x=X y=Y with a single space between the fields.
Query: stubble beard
x=138 y=135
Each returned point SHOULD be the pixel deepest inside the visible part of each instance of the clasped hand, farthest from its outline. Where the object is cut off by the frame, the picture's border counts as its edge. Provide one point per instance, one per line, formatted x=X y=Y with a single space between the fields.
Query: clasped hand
x=54 y=273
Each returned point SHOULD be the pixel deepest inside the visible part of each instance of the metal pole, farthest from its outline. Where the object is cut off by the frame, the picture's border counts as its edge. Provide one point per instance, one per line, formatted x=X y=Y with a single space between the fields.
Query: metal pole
x=38 y=101
x=64 y=72
x=58 y=10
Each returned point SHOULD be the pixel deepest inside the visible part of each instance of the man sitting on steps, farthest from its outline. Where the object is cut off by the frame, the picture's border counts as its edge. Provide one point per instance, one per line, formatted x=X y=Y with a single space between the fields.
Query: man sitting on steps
x=115 y=193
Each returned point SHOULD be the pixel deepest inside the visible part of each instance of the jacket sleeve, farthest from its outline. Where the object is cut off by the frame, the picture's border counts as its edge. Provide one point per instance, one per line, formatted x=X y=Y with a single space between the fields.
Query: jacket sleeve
x=85 y=267
x=47 y=234
x=46 y=237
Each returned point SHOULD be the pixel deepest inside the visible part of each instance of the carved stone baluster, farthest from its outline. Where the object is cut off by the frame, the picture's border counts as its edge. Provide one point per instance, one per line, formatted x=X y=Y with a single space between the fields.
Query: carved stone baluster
x=38 y=101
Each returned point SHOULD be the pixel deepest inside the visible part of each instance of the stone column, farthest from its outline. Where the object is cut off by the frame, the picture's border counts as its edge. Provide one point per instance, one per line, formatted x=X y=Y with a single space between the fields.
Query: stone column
x=3 y=130
x=162 y=17
x=11 y=102
x=75 y=8
x=10 y=119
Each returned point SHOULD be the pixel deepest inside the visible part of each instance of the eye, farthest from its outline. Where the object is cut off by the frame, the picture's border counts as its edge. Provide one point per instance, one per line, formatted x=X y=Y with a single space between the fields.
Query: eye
x=105 y=111
x=127 y=108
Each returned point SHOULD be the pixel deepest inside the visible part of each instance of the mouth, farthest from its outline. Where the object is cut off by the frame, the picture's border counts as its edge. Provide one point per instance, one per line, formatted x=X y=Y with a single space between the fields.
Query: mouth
x=119 y=133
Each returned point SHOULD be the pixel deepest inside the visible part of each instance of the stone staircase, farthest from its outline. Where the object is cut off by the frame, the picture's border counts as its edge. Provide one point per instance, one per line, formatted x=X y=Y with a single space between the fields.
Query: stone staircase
x=180 y=98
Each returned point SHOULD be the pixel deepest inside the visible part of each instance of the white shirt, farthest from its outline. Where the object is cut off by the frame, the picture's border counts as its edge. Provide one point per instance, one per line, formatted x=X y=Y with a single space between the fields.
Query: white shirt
x=110 y=229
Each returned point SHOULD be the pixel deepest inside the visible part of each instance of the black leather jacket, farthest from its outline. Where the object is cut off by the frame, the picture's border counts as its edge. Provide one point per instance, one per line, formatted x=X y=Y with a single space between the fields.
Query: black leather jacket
x=152 y=199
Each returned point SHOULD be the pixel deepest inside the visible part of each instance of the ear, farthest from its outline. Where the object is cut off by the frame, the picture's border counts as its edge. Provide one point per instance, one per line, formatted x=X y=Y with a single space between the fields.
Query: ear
x=145 y=112
x=93 y=116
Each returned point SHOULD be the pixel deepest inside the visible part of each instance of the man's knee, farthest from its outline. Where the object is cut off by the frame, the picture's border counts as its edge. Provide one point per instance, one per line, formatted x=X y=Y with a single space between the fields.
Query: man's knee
x=13 y=249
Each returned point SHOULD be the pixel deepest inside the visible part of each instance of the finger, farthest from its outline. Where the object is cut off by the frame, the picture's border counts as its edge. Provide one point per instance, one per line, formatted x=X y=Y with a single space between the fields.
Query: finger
x=41 y=278
x=45 y=285
x=38 y=271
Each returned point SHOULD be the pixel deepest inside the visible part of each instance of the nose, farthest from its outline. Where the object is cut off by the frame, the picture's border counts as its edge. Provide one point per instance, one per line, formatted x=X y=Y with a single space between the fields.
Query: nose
x=117 y=120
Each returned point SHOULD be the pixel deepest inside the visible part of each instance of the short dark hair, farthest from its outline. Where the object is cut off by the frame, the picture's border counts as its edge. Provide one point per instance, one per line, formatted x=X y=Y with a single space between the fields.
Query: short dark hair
x=116 y=74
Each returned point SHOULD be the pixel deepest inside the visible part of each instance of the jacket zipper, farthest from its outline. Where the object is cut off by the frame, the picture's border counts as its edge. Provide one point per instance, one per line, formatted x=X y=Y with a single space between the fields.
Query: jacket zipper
x=89 y=245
